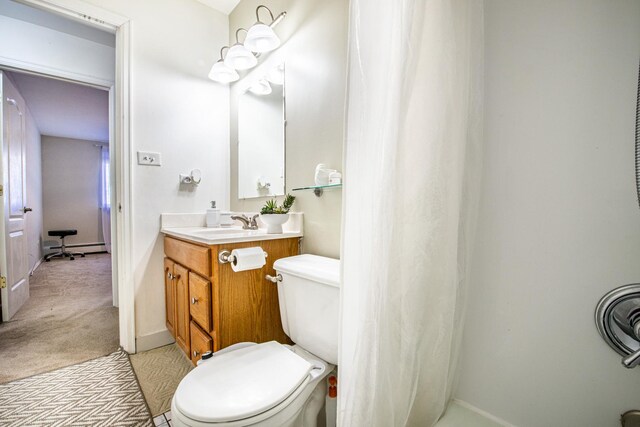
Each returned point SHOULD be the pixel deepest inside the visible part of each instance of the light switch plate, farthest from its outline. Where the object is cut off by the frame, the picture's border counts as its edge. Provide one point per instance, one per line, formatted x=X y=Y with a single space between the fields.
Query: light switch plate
x=147 y=158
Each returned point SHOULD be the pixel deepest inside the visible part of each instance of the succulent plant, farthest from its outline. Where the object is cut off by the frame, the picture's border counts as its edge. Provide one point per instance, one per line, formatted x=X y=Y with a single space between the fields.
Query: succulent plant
x=288 y=202
x=271 y=206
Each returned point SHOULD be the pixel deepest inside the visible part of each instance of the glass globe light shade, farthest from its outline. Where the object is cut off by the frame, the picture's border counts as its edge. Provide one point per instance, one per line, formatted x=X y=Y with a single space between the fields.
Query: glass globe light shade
x=276 y=75
x=261 y=87
x=261 y=38
x=220 y=72
x=240 y=58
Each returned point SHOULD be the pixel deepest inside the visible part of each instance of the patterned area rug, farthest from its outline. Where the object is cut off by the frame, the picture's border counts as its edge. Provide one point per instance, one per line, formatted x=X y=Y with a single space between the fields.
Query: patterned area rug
x=100 y=392
x=160 y=371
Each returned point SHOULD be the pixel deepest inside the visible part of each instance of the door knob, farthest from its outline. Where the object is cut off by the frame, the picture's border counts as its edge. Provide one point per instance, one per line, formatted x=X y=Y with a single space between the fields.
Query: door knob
x=26 y=209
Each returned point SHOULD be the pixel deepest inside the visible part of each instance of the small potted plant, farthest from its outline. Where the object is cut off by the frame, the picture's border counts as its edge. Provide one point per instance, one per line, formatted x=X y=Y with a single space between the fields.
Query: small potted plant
x=274 y=216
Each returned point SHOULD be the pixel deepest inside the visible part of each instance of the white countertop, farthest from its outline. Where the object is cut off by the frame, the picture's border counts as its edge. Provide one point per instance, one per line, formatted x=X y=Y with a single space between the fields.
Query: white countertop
x=191 y=227
x=216 y=236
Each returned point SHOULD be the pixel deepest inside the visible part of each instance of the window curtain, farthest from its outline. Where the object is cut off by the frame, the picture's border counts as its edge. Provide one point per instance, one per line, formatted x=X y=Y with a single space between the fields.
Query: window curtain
x=105 y=197
x=412 y=162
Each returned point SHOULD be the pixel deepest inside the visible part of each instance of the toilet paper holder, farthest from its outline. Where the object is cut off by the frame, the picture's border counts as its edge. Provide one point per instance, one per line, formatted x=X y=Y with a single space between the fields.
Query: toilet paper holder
x=225 y=257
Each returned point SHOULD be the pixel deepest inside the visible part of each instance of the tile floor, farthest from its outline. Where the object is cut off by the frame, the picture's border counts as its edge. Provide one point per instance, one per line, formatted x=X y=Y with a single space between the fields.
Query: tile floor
x=163 y=420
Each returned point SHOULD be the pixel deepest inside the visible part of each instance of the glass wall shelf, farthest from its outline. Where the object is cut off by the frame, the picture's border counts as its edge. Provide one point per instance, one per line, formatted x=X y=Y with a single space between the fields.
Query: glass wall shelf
x=318 y=190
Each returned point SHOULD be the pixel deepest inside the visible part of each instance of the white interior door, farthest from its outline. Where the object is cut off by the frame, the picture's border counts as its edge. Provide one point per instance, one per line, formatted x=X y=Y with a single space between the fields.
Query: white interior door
x=14 y=264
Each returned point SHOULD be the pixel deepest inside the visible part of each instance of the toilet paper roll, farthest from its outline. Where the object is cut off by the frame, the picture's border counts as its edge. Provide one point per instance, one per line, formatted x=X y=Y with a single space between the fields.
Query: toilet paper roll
x=247 y=259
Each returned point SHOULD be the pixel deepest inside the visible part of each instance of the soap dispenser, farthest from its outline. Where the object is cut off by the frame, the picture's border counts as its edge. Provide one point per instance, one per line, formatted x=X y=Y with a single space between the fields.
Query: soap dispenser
x=213 y=215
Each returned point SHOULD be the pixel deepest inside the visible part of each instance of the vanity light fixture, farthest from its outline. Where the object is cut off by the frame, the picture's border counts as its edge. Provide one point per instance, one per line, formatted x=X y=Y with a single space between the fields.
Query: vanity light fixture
x=261 y=87
x=239 y=57
x=221 y=72
x=261 y=37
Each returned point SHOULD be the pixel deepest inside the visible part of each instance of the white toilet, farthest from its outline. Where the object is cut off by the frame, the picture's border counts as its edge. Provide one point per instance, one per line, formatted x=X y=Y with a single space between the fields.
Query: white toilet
x=272 y=384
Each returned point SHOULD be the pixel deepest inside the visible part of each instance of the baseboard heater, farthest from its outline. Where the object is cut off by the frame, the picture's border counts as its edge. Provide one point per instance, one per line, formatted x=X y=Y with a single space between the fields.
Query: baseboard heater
x=78 y=245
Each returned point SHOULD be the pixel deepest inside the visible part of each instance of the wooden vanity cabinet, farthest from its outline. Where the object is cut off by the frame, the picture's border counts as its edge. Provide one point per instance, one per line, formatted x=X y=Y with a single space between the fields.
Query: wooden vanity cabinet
x=210 y=307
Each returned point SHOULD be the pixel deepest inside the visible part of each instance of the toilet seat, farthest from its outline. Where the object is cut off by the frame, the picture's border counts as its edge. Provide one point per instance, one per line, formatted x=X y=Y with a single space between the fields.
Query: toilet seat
x=244 y=383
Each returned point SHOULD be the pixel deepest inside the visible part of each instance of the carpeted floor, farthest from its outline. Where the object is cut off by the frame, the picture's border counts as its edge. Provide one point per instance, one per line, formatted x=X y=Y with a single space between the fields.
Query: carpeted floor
x=68 y=319
x=159 y=372
x=100 y=392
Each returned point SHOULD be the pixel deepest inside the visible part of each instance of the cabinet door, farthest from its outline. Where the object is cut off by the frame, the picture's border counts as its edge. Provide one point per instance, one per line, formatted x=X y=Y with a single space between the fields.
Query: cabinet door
x=200 y=343
x=182 y=306
x=169 y=296
x=200 y=299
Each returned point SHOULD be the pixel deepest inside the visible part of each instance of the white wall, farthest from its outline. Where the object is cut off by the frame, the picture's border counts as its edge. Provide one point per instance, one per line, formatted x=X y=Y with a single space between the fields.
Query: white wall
x=178 y=111
x=35 y=47
x=314 y=47
x=559 y=221
x=64 y=109
x=71 y=189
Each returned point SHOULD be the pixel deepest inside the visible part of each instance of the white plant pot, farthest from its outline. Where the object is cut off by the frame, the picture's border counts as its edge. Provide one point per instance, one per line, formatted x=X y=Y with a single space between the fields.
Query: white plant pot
x=274 y=222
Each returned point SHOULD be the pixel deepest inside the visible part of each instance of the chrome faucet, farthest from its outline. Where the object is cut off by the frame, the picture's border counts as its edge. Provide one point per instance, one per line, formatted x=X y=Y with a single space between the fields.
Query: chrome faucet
x=247 y=223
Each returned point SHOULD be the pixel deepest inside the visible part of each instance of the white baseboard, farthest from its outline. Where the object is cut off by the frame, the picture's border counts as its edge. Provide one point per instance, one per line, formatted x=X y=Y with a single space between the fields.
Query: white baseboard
x=154 y=340
x=482 y=413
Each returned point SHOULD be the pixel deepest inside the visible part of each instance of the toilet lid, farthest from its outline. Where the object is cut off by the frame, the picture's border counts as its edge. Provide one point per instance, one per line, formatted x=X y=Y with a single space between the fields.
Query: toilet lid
x=241 y=383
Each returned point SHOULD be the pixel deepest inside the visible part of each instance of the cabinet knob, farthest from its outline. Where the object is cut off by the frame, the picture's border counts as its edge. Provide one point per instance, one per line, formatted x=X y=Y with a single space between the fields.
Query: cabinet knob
x=194 y=300
x=196 y=353
x=169 y=276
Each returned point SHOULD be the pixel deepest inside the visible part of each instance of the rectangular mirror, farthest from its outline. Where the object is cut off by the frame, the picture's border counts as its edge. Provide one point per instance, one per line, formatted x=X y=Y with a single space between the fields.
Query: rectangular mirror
x=261 y=137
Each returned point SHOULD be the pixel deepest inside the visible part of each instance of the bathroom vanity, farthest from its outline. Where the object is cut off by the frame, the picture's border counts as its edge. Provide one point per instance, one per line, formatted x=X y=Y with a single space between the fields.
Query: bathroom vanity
x=208 y=305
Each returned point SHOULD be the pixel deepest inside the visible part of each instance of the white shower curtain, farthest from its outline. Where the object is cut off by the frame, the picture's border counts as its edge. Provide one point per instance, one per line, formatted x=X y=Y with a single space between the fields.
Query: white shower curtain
x=412 y=162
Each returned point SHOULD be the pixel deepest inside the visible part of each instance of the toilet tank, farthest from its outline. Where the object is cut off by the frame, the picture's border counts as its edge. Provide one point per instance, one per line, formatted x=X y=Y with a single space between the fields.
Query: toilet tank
x=309 y=302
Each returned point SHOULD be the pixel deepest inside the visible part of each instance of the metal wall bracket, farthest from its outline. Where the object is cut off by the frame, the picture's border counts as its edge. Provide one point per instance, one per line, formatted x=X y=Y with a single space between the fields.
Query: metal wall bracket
x=224 y=257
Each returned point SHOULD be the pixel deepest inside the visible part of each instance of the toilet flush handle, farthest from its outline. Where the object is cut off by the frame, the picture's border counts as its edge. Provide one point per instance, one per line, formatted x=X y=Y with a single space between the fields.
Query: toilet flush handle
x=618 y=322
x=275 y=279
x=632 y=360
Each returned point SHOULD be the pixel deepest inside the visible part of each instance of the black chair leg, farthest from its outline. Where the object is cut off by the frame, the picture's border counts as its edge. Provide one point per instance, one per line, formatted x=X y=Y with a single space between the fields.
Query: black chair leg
x=63 y=253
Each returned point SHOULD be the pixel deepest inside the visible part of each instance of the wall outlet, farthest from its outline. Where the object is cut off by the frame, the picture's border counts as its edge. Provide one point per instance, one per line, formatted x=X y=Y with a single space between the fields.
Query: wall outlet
x=149 y=159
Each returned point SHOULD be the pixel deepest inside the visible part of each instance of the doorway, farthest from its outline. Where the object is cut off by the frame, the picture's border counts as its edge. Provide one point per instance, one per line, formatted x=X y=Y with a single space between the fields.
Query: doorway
x=58 y=306
x=82 y=69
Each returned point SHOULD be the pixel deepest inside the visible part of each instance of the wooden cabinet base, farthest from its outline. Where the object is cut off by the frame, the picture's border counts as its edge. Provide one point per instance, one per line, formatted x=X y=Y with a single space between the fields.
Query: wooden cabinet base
x=210 y=307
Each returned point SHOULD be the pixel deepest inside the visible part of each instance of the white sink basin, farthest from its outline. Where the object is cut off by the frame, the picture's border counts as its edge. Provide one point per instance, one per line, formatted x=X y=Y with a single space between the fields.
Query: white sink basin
x=234 y=231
